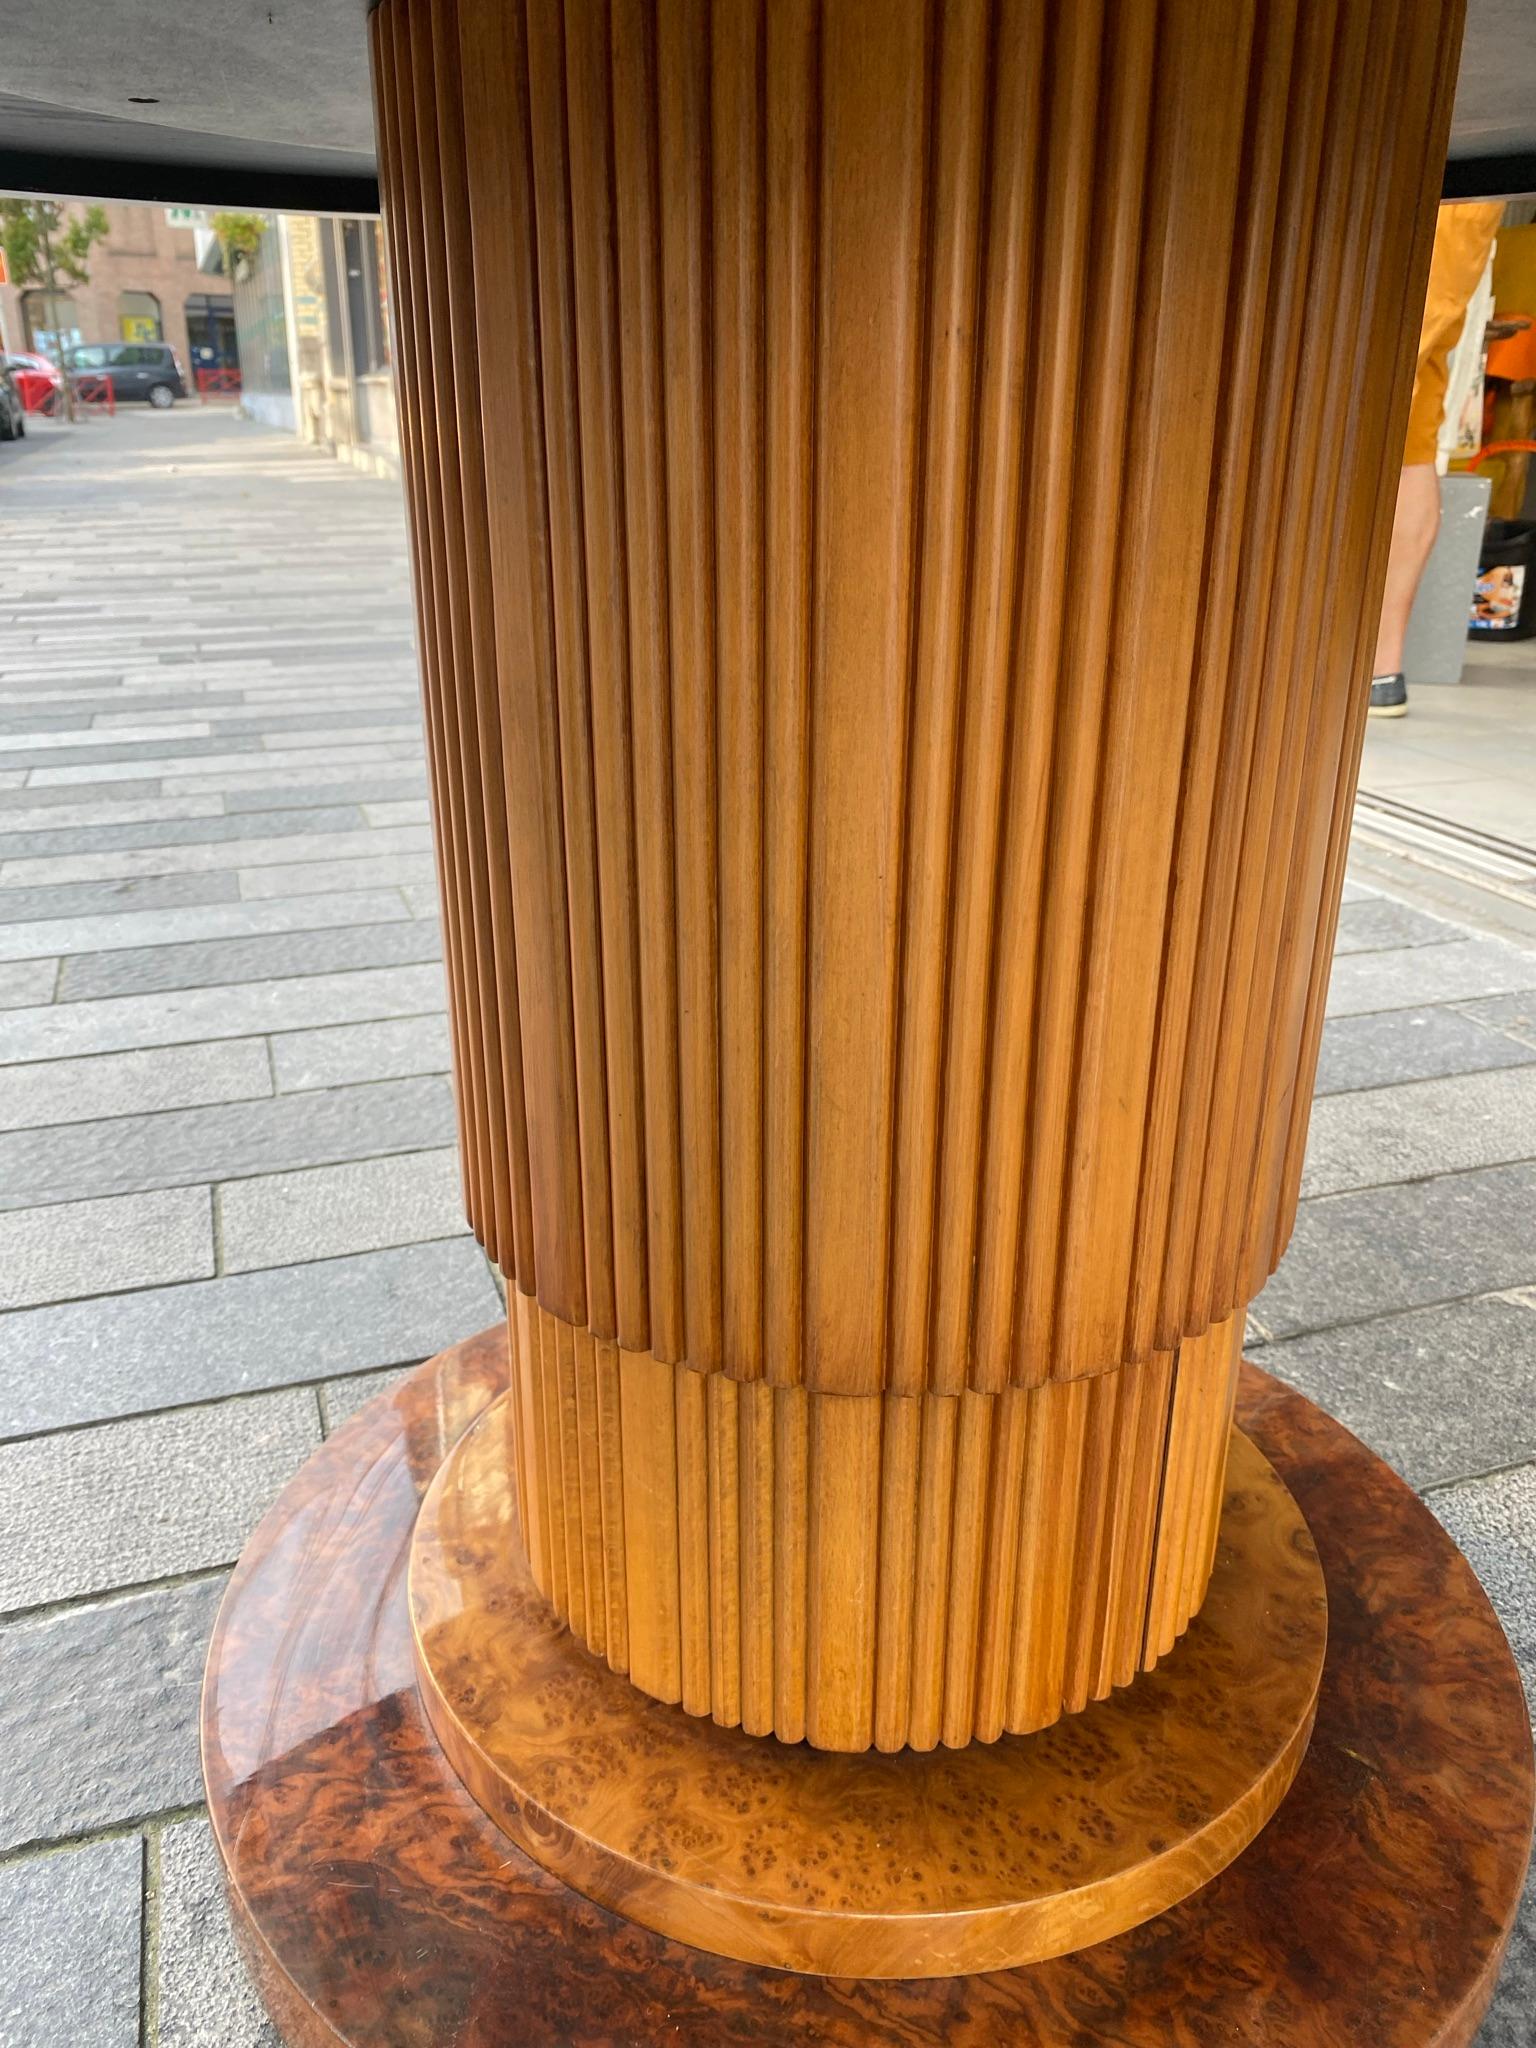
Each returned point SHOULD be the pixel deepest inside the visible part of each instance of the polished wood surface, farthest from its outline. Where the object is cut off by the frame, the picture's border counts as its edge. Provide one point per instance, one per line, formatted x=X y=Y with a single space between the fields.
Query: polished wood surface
x=857 y=1570
x=984 y=1858
x=899 y=504
x=380 y=1908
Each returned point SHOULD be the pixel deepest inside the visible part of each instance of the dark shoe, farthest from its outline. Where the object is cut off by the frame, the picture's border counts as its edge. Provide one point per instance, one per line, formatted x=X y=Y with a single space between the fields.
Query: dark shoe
x=1389 y=697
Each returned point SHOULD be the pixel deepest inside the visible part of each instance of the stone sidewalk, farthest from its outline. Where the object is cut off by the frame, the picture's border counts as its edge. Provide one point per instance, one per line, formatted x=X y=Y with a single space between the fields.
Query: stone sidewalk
x=228 y=1199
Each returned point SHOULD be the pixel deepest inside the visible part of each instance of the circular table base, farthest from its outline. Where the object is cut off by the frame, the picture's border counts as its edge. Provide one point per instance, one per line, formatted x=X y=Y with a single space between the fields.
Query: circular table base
x=912 y=1865
x=380 y=1907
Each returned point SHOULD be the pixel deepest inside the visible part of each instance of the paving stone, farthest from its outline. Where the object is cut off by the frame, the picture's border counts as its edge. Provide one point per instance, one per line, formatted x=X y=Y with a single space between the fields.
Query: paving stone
x=1402 y=1247
x=279 y=851
x=191 y=770
x=98 y=1711
x=394 y=868
x=89 y=1509
x=374 y=785
x=362 y=1205
x=149 y=892
x=48 y=842
x=1494 y=1522
x=70 y=1926
x=24 y=983
x=139 y=928
x=101 y=1246
x=1515 y=1014
x=1378 y=924
x=1415 y=975
x=180 y=1147
x=1509 y=2021
x=148 y=810
x=144 y=970
x=1421 y=1128
x=45 y=799
x=127 y=751
x=63 y=1030
x=118 y=1084
x=1387 y=1380
x=329 y=781
x=86 y=1361
x=1373 y=1050
x=340 y=1400
x=341 y=1053
x=405 y=811
x=206 y=1994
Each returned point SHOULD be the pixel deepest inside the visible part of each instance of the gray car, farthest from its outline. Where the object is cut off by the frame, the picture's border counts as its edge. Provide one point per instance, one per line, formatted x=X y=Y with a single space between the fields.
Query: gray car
x=149 y=371
x=13 y=414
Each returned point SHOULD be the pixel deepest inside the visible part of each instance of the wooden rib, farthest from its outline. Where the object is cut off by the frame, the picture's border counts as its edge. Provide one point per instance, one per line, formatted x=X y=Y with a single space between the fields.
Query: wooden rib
x=651 y=1470
x=1082 y=682
x=387 y=28
x=510 y=532
x=958 y=196
x=646 y=570
x=873 y=144
x=610 y=1453
x=584 y=92
x=435 y=369
x=722 y=1435
x=1056 y=366
x=737 y=216
x=1194 y=165
x=594 y=1541
x=792 y=157
x=842 y=1550
x=1221 y=694
x=967 y=1555
x=930 y=1592
x=900 y=1463
x=693 y=1542
x=987 y=691
x=508 y=1166
x=791 y=1482
x=999 y=1592
x=755 y=1482
x=682 y=59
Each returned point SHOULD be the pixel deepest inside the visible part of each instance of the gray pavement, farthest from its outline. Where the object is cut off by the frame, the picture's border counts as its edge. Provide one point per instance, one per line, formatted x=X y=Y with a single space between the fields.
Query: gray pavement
x=228 y=1199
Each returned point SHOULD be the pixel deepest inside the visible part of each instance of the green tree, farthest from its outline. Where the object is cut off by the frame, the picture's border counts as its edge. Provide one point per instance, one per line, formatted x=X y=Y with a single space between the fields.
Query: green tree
x=239 y=236
x=47 y=244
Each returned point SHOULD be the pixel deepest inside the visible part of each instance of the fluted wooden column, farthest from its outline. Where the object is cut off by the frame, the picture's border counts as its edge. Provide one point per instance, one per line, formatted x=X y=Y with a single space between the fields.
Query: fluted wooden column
x=899 y=495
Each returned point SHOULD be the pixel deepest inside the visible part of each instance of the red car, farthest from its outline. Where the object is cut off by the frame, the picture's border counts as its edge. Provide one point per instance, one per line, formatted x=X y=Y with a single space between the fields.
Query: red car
x=37 y=381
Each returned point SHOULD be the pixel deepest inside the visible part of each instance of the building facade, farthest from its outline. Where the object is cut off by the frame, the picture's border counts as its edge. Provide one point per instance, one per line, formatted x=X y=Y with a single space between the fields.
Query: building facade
x=157 y=276
x=312 y=316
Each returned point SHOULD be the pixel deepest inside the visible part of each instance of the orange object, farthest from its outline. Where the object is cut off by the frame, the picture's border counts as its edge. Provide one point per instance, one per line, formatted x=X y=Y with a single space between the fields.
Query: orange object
x=1515 y=356
x=1463 y=237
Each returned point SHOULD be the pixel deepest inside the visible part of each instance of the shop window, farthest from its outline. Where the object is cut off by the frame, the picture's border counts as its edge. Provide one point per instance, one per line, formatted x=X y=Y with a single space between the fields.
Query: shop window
x=138 y=317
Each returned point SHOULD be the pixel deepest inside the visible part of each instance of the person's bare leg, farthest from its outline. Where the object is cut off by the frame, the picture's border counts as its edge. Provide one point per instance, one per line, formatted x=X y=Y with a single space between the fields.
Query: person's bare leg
x=1415 y=522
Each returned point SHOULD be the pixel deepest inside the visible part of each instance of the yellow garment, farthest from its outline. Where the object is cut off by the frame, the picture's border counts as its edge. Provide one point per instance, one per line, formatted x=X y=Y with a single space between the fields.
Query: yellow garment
x=1463 y=236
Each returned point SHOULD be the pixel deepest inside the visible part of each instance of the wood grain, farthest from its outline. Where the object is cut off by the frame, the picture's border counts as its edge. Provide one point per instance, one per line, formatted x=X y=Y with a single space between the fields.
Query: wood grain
x=882 y=1569
x=891 y=734
x=379 y=1907
x=858 y=1865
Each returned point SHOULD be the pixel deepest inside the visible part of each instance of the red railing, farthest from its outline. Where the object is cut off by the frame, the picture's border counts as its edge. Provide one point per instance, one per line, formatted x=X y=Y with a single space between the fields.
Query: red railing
x=37 y=394
x=93 y=392
x=218 y=384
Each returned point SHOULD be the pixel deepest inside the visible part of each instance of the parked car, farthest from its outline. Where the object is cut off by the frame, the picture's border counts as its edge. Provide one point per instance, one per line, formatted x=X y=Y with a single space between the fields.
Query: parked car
x=39 y=382
x=148 y=370
x=13 y=414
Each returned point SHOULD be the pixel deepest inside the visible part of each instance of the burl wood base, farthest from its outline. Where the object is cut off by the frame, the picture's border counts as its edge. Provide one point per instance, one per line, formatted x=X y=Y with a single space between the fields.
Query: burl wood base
x=380 y=1907
x=919 y=1865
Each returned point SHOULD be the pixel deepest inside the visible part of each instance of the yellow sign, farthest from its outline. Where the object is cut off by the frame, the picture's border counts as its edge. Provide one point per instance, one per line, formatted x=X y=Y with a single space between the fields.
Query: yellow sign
x=140 y=327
